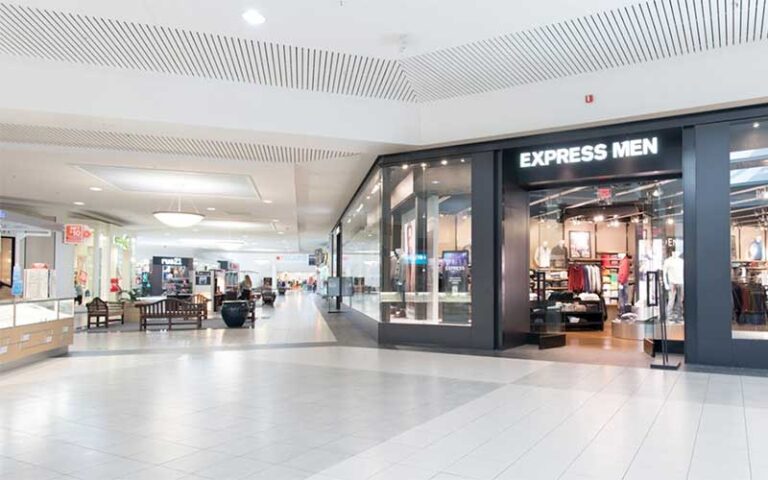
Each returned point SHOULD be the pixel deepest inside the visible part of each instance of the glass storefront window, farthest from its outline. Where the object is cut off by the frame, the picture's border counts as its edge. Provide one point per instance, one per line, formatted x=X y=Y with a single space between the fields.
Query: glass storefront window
x=429 y=242
x=749 y=222
x=361 y=248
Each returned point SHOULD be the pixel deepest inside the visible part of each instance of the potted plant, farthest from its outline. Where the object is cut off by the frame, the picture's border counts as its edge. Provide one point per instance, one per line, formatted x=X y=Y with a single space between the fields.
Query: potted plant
x=130 y=310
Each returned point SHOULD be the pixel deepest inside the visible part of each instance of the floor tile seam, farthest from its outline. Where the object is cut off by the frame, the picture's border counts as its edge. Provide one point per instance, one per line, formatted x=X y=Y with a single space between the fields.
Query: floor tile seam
x=626 y=401
x=650 y=427
x=746 y=426
x=696 y=436
x=582 y=405
x=128 y=457
x=509 y=427
x=500 y=383
x=77 y=353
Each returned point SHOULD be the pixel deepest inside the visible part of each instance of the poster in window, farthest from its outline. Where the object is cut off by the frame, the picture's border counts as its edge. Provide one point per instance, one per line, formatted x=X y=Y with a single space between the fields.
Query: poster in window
x=580 y=244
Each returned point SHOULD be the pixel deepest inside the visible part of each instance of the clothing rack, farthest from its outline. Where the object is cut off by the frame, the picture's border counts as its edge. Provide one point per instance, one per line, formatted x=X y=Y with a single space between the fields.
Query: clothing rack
x=749 y=303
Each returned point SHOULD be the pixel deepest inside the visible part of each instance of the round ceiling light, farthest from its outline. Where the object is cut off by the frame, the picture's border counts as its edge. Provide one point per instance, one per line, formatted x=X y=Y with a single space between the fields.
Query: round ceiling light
x=253 y=17
x=178 y=219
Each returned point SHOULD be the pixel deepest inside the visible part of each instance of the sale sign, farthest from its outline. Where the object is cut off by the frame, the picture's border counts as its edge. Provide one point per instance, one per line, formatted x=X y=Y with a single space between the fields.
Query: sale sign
x=75 y=234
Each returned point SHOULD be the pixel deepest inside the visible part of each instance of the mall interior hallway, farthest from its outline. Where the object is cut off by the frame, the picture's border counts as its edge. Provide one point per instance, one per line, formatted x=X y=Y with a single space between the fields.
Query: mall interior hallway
x=232 y=404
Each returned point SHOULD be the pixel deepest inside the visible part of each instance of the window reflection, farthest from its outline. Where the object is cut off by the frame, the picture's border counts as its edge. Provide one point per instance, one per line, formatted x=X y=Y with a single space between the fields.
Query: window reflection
x=749 y=221
x=429 y=244
x=361 y=248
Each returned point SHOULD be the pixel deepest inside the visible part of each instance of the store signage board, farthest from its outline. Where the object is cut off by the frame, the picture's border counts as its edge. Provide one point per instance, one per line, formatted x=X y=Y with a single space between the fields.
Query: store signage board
x=173 y=261
x=74 y=234
x=334 y=286
x=603 y=158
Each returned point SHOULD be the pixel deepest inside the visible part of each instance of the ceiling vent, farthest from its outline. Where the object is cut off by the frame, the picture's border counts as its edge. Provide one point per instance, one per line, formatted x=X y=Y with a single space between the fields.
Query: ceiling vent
x=206 y=148
x=85 y=39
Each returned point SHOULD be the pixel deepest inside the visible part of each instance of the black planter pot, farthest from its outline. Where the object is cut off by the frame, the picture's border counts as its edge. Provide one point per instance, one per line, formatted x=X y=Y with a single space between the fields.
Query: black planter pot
x=234 y=313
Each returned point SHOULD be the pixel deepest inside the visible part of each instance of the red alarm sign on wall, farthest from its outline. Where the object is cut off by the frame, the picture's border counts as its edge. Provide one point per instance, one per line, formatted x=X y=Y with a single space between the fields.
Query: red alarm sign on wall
x=114 y=285
x=589 y=98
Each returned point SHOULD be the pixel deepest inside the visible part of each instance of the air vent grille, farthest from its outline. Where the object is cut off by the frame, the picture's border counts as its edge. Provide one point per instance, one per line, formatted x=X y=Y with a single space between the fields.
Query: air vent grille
x=633 y=34
x=68 y=37
x=107 y=140
x=643 y=32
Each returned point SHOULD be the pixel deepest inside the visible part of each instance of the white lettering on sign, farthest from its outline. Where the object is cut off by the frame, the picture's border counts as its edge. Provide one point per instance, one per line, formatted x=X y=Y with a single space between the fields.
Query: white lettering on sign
x=638 y=147
x=170 y=261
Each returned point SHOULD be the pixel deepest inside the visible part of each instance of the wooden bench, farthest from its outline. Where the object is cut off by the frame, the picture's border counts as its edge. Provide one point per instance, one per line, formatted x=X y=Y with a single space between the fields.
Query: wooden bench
x=170 y=312
x=98 y=309
x=200 y=299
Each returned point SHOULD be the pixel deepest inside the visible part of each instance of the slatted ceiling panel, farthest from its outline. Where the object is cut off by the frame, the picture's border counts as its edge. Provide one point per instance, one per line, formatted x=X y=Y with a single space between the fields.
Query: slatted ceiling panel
x=639 y=33
x=106 y=140
x=75 y=38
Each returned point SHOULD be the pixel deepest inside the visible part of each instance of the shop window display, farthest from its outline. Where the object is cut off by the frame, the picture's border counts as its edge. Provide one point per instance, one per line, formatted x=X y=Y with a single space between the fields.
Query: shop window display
x=607 y=259
x=749 y=222
x=361 y=248
x=429 y=242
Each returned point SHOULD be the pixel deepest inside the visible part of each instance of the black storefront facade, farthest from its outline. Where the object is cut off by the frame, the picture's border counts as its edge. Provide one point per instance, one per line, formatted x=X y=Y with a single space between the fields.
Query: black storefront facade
x=439 y=245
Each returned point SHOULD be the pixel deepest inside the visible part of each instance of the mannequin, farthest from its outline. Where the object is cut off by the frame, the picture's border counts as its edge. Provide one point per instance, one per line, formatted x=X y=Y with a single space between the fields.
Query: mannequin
x=623 y=278
x=559 y=255
x=542 y=257
x=673 y=270
x=397 y=277
x=756 y=249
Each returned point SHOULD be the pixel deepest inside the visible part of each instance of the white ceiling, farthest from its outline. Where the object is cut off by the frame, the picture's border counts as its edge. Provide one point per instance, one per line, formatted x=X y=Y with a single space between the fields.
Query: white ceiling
x=302 y=104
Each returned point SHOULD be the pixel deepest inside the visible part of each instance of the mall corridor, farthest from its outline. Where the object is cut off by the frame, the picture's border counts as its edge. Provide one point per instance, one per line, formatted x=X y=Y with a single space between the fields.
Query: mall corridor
x=383 y=240
x=216 y=404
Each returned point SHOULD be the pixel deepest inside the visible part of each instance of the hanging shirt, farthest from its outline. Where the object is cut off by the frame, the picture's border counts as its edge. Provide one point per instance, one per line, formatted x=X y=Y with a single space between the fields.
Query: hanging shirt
x=559 y=256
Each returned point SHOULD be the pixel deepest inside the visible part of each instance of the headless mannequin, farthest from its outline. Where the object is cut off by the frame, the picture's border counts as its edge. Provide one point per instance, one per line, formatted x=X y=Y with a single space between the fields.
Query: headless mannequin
x=673 y=270
x=542 y=256
x=756 y=249
x=624 y=267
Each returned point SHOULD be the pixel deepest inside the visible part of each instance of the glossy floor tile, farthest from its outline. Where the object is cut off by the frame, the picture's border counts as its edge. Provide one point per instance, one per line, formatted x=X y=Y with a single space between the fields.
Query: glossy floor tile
x=207 y=405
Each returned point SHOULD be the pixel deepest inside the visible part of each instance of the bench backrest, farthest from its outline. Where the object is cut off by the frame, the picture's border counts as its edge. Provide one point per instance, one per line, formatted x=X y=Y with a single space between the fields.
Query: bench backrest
x=171 y=307
x=97 y=305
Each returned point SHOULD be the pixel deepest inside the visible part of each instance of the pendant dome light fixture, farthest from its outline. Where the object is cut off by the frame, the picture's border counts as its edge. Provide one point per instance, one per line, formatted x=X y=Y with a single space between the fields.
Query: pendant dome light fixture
x=178 y=218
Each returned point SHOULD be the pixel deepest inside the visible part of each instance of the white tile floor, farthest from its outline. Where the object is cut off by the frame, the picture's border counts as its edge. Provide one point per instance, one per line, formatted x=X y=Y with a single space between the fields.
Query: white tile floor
x=197 y=411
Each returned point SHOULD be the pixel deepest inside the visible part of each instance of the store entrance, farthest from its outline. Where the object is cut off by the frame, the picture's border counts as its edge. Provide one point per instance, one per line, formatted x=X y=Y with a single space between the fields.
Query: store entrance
x=606 y=266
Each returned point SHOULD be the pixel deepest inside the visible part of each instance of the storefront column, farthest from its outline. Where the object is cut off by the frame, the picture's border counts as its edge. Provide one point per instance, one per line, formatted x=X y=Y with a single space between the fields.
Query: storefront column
x=515 y=315
x=706 y=186
x=486 y=291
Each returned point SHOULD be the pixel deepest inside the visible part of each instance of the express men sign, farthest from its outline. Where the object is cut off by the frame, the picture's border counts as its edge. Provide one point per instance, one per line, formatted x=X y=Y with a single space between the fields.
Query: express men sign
x=655 y=153
x=637 y=147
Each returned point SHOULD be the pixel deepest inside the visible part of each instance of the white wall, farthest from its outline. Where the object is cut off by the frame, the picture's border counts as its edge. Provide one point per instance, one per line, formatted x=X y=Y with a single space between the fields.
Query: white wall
x=715 y=79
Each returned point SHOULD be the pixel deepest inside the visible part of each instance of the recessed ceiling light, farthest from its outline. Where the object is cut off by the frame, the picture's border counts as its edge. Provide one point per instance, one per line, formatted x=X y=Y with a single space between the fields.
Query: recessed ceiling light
x=211 y=209
x=462 y=160
x=405 y=166
x=281 y=233
x=435 y=182
x=253 y=17
x=423 y=165
x=79 y=204
x=670 y=221
x=95 y=189
x=275 y=220
x=444 y=162
x=756 y=125
x=267 y=201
